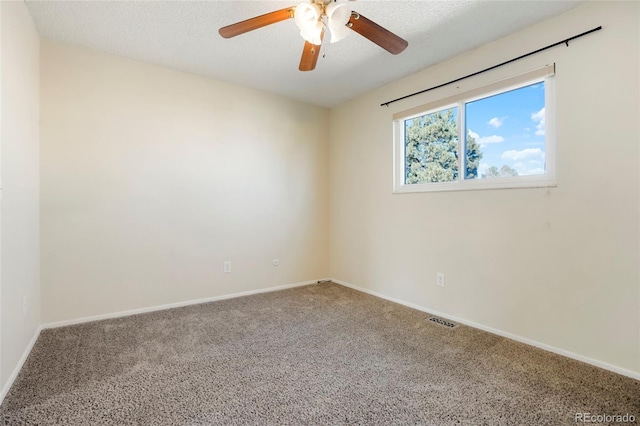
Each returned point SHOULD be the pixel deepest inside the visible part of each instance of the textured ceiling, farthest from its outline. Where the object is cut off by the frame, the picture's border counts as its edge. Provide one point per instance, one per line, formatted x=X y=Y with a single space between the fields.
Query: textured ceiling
x=183 y=35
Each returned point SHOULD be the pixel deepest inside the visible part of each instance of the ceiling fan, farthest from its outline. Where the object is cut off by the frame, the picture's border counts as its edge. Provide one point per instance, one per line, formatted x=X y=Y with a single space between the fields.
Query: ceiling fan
x=314 y=19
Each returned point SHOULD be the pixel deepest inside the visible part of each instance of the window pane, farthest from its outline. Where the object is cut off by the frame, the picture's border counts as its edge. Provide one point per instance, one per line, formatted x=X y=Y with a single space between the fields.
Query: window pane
x=505 y=134
x=431 y=147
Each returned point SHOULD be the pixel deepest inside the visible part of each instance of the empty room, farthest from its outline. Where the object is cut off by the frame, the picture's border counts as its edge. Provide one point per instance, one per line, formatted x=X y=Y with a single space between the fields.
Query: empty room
x=319 y=212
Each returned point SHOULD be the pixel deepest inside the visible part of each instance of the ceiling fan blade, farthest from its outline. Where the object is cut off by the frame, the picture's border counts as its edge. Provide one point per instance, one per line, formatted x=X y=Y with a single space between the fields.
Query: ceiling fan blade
x=377 y=34
x=310 y=55
x=257 y=22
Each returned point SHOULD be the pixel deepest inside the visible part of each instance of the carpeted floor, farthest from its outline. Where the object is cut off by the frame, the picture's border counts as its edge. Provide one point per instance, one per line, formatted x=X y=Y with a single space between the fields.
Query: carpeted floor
x=320 y=354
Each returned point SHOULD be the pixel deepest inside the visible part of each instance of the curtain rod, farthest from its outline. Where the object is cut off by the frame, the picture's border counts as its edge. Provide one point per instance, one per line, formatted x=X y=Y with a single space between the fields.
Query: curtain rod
x=565 y=41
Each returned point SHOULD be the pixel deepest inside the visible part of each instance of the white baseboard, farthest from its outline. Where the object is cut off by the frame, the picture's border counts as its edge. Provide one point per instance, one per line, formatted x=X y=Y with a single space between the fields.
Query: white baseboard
x=544 y=346
x=23 y=359
x=173 y=305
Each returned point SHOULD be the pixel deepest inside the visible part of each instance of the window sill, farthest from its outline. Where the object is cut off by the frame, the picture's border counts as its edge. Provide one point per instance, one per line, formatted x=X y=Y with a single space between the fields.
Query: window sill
x=478 y=185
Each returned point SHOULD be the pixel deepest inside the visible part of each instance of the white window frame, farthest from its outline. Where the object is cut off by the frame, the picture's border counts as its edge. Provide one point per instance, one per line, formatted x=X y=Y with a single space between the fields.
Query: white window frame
x=536 y=181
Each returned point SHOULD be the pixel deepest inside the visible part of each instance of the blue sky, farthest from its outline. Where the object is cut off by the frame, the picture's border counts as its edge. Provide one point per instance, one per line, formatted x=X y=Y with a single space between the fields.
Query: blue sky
x=510 y=128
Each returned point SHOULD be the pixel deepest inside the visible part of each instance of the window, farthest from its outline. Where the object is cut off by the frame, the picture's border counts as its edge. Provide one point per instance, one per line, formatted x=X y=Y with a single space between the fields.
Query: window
x=497 y=136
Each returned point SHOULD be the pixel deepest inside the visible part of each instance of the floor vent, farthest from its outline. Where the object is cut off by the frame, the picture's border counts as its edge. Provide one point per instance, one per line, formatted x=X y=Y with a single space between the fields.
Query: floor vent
x=443 y=322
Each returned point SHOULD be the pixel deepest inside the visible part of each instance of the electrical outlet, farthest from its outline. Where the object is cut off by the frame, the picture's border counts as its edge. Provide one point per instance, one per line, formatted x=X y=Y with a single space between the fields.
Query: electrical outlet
x=440 y=279
x=24 y=306
x=227 y=267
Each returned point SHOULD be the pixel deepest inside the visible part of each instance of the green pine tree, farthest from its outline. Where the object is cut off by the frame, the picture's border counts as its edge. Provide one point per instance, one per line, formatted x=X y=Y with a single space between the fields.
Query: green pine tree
x=432 y=149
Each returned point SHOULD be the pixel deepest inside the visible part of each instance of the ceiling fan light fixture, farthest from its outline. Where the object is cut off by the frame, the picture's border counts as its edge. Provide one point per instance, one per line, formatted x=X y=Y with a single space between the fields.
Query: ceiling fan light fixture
x=338 y=15
x=308 y=19
x=314 y=35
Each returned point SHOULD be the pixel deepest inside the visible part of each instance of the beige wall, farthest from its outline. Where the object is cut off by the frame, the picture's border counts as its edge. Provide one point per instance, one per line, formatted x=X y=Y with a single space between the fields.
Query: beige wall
x=556 y=266
x=151 y=178
x=19 y=214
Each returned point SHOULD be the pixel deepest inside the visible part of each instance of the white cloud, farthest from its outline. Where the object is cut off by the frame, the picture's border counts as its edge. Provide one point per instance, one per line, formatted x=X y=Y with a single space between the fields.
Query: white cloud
x=526 y=171
x=485 y=140
x=496 y=122
x=539 y=118
x=528 y=168
x=490 y=139
x=482 y=168
x=525 y=154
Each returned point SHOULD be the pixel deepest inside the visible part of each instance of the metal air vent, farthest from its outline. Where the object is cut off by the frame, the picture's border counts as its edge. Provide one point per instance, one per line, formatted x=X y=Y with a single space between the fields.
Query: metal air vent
x=443 y=322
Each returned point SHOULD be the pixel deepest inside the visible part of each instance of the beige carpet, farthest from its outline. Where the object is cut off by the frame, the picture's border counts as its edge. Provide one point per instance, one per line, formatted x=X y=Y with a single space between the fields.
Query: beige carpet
x=320 y=354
